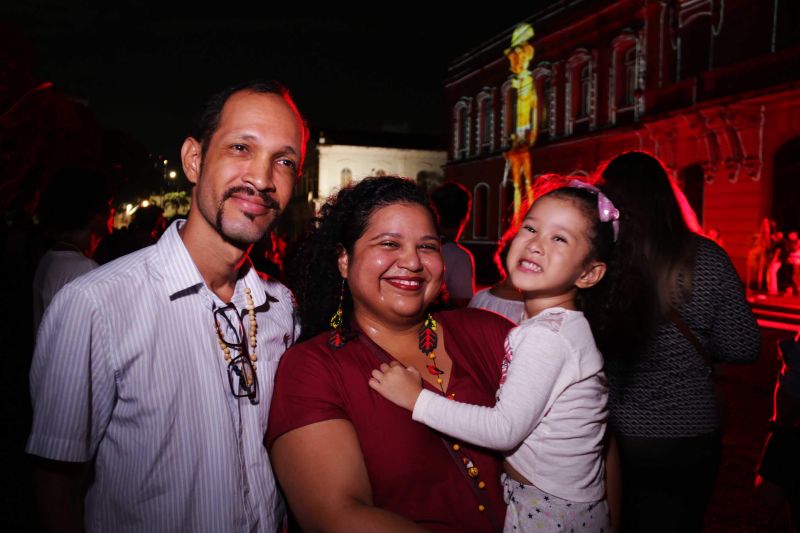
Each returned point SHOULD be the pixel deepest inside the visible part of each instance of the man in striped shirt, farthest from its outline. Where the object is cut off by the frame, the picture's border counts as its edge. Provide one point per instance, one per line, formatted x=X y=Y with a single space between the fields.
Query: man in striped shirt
x=152 y=375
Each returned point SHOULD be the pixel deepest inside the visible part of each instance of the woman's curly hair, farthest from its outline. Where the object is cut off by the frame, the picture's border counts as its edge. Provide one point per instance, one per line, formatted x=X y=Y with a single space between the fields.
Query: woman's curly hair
x=313 y=272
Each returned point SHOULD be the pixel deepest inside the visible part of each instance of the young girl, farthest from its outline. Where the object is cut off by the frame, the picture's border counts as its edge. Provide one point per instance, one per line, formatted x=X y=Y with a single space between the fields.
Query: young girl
x=550 y=415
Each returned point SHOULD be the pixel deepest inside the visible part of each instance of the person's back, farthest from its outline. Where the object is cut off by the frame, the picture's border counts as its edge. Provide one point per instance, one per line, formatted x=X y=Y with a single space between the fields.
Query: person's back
x=718 y=315
x=56 y=268
x=685 y=311
x=453 y=202
x=74 y=211
x=500 y=300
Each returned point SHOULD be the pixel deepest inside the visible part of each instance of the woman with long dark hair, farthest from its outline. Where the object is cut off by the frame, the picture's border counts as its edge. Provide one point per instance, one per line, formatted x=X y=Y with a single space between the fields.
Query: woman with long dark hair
x=686 y=311
x=365 y=280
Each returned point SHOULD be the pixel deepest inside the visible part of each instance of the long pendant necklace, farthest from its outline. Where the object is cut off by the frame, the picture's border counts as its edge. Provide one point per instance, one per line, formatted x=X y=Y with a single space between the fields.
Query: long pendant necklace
x=428 y=341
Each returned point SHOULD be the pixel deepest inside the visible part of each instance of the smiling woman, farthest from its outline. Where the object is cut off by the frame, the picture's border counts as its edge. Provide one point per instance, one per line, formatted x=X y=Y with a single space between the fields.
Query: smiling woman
x=346 y=458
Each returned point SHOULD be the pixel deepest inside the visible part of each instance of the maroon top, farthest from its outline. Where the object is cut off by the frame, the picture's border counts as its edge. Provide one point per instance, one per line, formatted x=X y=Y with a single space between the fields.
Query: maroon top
x=410 y=470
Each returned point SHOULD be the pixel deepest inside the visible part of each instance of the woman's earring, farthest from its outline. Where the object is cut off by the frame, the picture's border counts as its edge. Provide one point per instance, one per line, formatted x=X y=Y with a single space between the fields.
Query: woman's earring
x=339 y=335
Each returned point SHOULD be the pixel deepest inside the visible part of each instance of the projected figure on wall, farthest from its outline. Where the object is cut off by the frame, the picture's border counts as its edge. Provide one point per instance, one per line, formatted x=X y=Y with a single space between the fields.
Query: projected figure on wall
x=518 y=158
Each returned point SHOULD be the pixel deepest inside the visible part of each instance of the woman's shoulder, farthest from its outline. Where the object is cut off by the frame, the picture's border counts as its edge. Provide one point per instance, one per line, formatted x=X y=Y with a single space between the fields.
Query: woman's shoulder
x=709 y=251
x=313 y=351
x=475 y=318
x=712 y=263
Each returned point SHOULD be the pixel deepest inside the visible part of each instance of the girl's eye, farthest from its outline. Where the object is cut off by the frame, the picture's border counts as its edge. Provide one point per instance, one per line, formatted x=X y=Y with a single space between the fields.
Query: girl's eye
x=528 y=228
x=559 y=238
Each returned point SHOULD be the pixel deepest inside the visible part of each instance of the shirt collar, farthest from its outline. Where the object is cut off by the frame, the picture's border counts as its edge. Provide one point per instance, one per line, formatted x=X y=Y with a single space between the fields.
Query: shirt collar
x=181 y=276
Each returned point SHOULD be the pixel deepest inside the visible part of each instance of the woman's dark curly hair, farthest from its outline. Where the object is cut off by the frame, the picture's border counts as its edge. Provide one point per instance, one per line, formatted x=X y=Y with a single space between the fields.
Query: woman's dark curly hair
x=313 y=270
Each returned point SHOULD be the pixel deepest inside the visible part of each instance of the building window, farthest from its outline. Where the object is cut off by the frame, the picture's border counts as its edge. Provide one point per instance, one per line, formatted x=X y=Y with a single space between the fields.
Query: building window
x=461 y=130
x=345 y=177
x=546 y=100
x=509 y=118
x=624 y=78
x=629 y=81
x=480 y=211
x=585 y=92
x=485 y=122
x=580 y=93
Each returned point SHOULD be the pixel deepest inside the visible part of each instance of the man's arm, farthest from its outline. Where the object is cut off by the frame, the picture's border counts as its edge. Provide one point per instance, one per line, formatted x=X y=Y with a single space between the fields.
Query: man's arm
x=60 y=489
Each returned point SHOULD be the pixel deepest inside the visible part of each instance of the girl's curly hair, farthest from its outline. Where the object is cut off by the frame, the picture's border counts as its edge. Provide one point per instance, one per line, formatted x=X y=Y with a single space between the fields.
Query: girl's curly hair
x=313 y=272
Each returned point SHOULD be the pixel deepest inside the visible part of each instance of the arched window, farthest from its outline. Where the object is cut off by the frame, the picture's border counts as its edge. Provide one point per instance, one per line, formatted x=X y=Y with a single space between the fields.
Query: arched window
x=580 y=93
x=345 y=177
x=546 y=110
x=624 y=78
x=480 y=211
x=485 y=121
x=629 y=82
x=461 y=129
x=584 y=107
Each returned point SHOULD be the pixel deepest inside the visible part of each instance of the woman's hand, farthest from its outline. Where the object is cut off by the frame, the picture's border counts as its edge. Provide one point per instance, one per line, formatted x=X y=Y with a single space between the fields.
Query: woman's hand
x=397 y=384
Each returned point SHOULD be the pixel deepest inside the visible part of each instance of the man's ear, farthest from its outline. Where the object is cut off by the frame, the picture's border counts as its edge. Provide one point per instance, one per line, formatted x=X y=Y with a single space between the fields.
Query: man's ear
x=592 y=275
x=192 y=158
x=343 y=261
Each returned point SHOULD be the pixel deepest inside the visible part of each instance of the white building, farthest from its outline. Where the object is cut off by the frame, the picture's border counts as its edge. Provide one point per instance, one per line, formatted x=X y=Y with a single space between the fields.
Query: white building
x=344 y=160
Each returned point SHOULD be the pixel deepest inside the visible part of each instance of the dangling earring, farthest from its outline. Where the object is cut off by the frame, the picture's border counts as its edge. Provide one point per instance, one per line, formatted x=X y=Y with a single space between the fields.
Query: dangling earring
x=338 y=336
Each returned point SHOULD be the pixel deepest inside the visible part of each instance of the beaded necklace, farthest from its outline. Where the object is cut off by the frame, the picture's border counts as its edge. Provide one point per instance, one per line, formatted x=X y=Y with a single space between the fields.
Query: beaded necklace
x=253 y=334
x=428 y=341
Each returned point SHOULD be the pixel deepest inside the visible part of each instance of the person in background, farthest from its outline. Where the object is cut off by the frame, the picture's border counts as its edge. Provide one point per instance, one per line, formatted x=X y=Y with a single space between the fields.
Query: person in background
x=685 y=312
x=152 y=376
x=778 y=476
x=502 y=298
x=453 y=203
x=74 y=210
x=146 y=226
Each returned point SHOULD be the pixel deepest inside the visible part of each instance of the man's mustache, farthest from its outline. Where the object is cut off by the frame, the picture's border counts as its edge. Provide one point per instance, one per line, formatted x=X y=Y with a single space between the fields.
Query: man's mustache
x=268 y=201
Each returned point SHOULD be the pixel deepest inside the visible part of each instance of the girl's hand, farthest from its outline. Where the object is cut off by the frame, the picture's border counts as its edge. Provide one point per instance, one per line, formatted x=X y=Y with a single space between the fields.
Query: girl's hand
x=397 y=384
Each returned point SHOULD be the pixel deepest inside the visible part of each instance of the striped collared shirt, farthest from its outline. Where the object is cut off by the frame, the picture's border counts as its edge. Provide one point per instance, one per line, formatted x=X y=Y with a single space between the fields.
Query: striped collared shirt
x=128 y=373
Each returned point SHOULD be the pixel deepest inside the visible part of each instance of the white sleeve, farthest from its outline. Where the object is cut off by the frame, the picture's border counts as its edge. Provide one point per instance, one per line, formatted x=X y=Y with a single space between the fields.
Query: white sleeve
x=535 y=372
x=72 y=381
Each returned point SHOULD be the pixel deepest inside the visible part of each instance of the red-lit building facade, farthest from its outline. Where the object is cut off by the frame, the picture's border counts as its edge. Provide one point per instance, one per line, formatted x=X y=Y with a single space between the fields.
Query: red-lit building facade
x=712 y=87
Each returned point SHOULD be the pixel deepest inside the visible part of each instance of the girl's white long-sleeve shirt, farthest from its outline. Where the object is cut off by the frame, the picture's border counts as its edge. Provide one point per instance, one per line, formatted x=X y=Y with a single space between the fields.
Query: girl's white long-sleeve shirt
x=550 y=415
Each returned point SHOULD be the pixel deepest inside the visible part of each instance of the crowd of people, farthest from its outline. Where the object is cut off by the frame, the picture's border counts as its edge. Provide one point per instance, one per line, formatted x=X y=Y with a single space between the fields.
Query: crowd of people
x=773 y=261
x=363 y=385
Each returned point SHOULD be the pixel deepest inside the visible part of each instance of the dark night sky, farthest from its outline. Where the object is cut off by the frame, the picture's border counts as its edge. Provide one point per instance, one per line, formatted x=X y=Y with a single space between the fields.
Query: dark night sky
x=144 y=69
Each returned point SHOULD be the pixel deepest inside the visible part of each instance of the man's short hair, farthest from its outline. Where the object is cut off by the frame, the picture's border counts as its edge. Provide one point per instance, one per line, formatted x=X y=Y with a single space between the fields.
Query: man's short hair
x=452 y=201
x=208 y=120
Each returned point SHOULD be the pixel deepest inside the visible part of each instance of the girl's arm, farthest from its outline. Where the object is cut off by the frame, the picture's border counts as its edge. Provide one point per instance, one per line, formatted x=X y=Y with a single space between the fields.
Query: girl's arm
x=536 y=370
x=322 y=472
